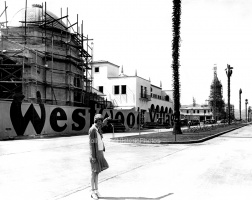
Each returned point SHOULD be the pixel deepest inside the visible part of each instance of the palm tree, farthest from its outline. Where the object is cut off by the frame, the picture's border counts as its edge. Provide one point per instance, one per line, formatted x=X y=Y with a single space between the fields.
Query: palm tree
x=175 y=64
x=229 y=73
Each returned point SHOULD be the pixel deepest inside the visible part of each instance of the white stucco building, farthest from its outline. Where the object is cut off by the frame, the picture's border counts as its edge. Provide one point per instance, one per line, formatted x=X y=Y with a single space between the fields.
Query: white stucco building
x=132 y=92
x=201 y=113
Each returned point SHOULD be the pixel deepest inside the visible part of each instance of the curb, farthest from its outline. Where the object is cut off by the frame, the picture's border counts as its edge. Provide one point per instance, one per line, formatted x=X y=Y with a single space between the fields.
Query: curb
x=182 y=142
x=42 y=136
x=203 y=139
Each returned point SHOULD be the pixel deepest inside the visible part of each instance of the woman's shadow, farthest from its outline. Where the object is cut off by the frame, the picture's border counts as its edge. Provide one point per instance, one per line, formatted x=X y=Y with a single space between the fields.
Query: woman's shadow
x=139 y=198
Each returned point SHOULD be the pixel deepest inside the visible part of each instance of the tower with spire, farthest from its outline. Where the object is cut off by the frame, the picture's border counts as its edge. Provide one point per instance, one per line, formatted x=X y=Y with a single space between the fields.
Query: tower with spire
x=216 y=98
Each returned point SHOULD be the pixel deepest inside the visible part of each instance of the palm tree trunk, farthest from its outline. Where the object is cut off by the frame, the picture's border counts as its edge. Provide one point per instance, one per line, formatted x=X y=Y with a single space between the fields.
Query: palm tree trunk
x=175 y=64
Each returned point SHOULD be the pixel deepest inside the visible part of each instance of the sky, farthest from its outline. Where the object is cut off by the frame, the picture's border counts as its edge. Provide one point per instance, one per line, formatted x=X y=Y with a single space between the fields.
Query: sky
x=137 y=34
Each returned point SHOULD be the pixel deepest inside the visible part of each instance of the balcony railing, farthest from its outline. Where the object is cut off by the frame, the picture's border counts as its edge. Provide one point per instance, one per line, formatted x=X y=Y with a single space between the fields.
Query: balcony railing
x=162 y=98
x=145 y=96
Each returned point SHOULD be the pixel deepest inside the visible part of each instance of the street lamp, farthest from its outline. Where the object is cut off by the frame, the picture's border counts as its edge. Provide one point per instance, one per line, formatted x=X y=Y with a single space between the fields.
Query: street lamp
x=246 y=102
x=240 y=92
x=229 y=73
x=249 y=111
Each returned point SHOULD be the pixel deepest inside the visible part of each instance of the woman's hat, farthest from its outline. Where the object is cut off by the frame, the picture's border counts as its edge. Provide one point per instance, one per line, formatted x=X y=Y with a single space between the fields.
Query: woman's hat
x=97 y=117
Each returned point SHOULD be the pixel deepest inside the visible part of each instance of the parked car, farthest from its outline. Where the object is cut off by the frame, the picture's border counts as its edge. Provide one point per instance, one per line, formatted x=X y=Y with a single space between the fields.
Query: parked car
x=194 y=122
x=183 y=122
x=210 y=121
x=115 y=124
x=150 y=125
x=224 y=121
x=153 y=125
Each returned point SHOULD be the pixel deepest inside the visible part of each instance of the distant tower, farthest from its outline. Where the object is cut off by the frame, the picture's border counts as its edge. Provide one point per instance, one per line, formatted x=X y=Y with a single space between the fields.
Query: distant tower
x=122 y=69
x=136 y=73
x=216 y=98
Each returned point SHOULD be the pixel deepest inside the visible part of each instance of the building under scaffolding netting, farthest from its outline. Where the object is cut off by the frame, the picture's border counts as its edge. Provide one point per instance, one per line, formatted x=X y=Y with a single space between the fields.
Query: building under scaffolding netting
x=44 y=58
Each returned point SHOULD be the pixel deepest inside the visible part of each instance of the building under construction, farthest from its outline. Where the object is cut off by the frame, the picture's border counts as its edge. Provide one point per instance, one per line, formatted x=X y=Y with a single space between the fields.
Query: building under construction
x=45 y=58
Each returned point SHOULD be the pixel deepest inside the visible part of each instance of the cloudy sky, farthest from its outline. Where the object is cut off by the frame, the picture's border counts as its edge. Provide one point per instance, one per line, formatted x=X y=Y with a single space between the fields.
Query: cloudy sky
x=137 y=34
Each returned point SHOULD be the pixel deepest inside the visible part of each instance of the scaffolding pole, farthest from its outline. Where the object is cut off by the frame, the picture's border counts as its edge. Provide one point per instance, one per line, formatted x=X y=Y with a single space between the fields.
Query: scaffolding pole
x=82 y=81
x=25 y=18
x=6 y=21
x=52 y=73
x=45 y=72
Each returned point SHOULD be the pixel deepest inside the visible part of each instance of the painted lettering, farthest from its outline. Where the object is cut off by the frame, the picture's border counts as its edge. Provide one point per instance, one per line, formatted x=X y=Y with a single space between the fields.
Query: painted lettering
x=152 y=116
x=54 y=118
x=120 y=116
x=78 y=119
x=21 y=122
x=131 y=120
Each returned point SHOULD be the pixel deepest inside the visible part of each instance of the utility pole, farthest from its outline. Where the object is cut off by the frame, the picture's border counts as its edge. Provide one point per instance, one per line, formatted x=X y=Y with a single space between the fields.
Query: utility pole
x=229 y=73
x=240 y=92
x=246 y=103
x=249 y=111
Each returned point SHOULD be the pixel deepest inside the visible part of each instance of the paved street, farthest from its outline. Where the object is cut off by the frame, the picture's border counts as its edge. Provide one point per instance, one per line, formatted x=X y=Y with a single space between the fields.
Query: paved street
x=58 y=168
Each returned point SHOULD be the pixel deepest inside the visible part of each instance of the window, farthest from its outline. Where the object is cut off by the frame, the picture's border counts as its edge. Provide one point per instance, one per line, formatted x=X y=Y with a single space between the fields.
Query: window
x=97 y=69
x=116 y=89
x=193 y=111
x=101 y=89
x=197 y=111
x=123 y=89
x=142 y=91
x=77 y=81
x=187 y=111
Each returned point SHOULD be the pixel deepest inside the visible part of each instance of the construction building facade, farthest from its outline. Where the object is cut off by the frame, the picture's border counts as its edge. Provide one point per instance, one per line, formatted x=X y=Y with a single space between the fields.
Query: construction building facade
x=44 y=59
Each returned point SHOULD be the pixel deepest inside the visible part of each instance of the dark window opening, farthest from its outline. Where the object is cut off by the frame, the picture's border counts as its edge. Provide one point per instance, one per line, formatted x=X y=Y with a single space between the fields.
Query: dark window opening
x=116 y=89
x=123 y=89
x=97 y=69
x=101 y=89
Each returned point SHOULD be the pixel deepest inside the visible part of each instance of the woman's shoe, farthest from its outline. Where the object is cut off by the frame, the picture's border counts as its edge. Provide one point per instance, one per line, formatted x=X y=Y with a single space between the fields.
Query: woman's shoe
x=94 y=196
x=97 y=193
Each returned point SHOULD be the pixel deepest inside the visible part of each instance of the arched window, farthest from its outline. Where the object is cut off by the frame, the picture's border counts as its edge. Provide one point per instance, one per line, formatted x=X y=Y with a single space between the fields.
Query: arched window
x=152 y=107
x=166 y=110
x=167 y=98
x=162 y=109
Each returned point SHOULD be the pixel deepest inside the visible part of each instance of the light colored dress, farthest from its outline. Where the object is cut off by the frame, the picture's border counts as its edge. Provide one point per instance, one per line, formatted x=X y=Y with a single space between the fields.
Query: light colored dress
x=96 y=150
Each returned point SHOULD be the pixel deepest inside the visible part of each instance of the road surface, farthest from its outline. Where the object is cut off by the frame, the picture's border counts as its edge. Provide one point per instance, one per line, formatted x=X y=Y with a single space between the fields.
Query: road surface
x=58 y=168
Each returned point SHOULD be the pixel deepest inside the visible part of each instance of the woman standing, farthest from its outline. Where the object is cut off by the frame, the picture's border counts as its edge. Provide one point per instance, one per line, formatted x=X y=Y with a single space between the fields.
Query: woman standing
x=97 y=160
